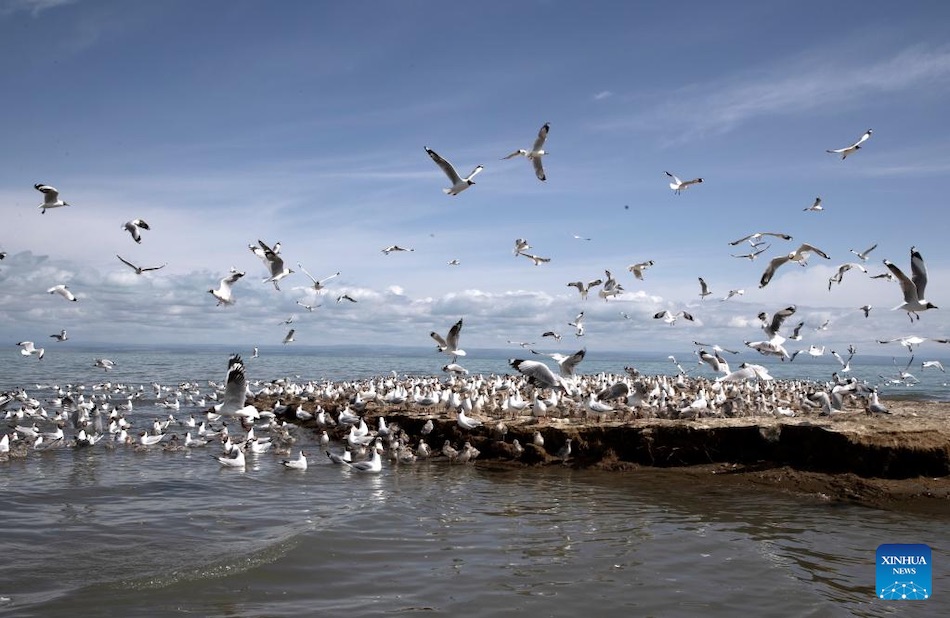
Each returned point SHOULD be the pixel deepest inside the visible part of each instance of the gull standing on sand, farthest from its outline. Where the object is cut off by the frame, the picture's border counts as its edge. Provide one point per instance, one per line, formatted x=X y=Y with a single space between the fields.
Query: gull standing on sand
x=276 y=265
x=223 y=292
x=844 y=152
x=50 y=198
x=63 y=291
x=912 y=287
x=459 y=184
x=679 y=186
x=534 y=155
x=799 y=255
x=133 y=226
x=317 y=283
x=140 y=269
x=27 y=348
x=450 y=344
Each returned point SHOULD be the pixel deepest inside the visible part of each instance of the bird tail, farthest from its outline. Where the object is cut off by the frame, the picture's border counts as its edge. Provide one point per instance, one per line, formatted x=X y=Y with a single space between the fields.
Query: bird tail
x=447 y=191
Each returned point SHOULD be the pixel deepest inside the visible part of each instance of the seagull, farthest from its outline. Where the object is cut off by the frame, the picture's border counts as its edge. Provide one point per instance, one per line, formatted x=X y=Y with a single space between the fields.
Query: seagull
x=753 y=254
x=866 y=309
x=223 y=292
x=679 y=186
x=731 y=293
x=839 y=276
x=317 y=283
x=772 y=326
x=537 y=373
x=289 y=337
x=670 y=318
x=796 y=336
x=27 y=349
x=521 y=245
x=585 y=288
x=374 y=465
x=61 y=336
x=908 y=342
x=798 y=255
x=50 y=197
x=534 y=155
x=105 y=363
x=935 y=364
x=63 y=291
x=139 y=269
x=262 y=255
x=577 y=237
x=276 y=265
x=554 y=335
x=459 y=184
x=913 y=287
x=816 y=207
x=450 y=344
x=235 y=393
x=234 y=459
x=566 y=363
x=578 y=325
x=637 y=269
x=342 y=297
x=308 y=307
x=844 y=152
x=703 y=289
x=864 y=254
x=845 y=364
x=289 y=320
x=537 y=259
x=453 y=262
x=296 y=464
x=132 y=227
x=392 y=248
x=757 y=235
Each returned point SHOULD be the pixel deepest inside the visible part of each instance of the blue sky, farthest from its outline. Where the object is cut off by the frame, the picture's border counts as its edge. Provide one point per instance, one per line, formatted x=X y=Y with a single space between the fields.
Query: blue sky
x=221 y=123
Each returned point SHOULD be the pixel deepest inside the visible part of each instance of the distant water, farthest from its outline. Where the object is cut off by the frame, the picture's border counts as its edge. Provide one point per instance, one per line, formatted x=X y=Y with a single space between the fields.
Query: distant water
x=125 y=533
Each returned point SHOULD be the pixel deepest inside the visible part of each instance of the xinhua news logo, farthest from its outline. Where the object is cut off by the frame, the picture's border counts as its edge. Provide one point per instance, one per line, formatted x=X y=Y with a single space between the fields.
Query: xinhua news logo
x=904 y=572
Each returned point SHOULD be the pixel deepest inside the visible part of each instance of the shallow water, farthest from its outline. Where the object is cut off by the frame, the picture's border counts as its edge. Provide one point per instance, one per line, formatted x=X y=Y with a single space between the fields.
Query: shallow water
x=120 y=532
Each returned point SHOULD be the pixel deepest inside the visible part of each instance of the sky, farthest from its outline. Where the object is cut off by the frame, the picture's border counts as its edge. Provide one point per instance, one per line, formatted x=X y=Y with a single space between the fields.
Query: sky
x=221 y=123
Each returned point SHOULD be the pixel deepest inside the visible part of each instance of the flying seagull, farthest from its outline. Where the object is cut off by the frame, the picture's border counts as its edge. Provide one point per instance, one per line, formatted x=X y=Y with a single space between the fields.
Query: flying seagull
x=223 y=292
x=864 y=254
x=63 y=291
x=450 y=344
x=133 y=226
x=757 y=235
x=459 y=184
x=679 y=186
x=816 y=207
x=703 y=289
x=844 y=152
x=275 y=263
x=534 y=155
x=670 y=318
x=798 y=255
x=139 y=269
x=913 y=287
x=394 y=248
x=317 y=283
x=50 y=197
x=289 y=337
x=27 y=348
x=61 y=336
x=537 y=259
x=585 y=288
x=637 y=269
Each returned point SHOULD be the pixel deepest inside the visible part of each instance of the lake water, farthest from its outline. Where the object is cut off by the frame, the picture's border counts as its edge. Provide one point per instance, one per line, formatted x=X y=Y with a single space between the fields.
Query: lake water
x=121 y=532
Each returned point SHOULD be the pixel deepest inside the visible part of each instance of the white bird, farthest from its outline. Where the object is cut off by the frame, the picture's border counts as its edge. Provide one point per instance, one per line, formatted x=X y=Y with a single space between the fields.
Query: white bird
x=679 y=186
x=585 y=288
x=133 y=226
x=308 y=307
x=731 y=293
x=537 y=259
x=450 y=344
x=537 y=373
x=913 y=287
x=50 y=197
x=935 y=364
x=63 y=291
x=757 y=235
x=552 y=334
x=27 y=348
x=799 y=255
x=289 y=337
x=534 y=155
x=864 y=254
x=703 y=289
x=816 y=207
x=844 y=152
x=276 y=265
x=61 y=336
x=567 y=364
x=317 y=283
x=467 y=422
x=375 y=464
x=521 y=245
x=670 y=318
x=746 y=371
x=139 y=269
x=343 y=297
x=105 y=363
x=578 y=325
x=392 y=248
x=296 y=464
x=838 y=277
x=459 y=184
x=223 y=292
x=234 y=459
x=235 y=393
x=637 y=269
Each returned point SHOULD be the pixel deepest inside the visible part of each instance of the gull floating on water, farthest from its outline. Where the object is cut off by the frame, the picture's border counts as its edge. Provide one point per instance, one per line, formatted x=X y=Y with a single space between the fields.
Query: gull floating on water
x=844 y=152
x=679 y=186
x=133 y=226
x=296 y=464
x=50 y=197
x=459 y=184
x=140 y=269
x=534 y=155
x=912 y=287
x=223 y=292
x=63 y=291
x=27 y=349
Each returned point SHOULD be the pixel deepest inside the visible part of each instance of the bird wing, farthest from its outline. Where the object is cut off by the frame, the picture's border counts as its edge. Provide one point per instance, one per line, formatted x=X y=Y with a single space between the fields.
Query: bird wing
x=512 y=155
x=677 y=181
x=862 y=139
x=908 y=287
x=438 y=339
x=542 y=135
x=805 y=247
x=703 y=287
x=918 y=272
x=770 y=269
x=155 y=267
x=453 y=338
x=126 y=262
x=304 y=271
x=236 y=387
x=445 y=165
x=50 y=193
x=538 y=168
x=568 y=364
